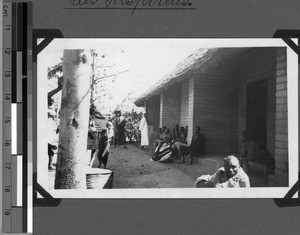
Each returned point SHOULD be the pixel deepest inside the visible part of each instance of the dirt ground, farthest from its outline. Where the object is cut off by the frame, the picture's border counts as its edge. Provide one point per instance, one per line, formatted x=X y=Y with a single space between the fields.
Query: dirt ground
x=133 y=168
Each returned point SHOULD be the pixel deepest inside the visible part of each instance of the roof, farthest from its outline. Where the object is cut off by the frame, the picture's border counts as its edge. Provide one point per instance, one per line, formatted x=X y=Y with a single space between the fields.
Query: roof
x=201 y=60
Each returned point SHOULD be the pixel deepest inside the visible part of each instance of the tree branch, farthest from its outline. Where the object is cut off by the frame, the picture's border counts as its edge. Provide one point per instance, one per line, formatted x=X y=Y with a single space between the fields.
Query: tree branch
x=98 y=78
x=56 y=90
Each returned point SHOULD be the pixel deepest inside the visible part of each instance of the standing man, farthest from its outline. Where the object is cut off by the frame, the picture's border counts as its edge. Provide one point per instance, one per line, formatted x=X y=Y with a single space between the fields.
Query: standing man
x=116 y=123
x=144 y=131
x=99 y=122
x=121 y=122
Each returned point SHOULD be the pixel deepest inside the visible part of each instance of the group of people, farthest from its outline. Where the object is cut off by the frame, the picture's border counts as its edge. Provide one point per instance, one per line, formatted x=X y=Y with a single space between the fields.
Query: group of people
x=102 y=133
x=234 y=174
x=173 y=144
x=170 y=145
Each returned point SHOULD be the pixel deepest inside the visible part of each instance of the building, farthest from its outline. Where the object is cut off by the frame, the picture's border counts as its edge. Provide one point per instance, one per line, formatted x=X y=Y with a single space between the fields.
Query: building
x=224 y=91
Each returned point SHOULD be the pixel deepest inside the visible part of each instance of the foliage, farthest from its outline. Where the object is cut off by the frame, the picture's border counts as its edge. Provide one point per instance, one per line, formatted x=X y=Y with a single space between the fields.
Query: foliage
x=132 y=132
x=52 y=71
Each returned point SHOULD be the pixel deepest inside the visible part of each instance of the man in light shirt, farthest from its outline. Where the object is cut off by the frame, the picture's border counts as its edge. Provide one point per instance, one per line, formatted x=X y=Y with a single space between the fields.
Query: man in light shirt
x=231 y=175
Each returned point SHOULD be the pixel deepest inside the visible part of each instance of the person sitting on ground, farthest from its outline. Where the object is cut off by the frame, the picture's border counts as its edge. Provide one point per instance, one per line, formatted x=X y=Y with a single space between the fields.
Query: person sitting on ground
x=183 y=133
x=164 y=151
x=180 y=146
x=158 y=139
x=174 y=134
x=255 y=159
x=186 y=130
x=231 y=175
x=197 y=146
x=167 y=136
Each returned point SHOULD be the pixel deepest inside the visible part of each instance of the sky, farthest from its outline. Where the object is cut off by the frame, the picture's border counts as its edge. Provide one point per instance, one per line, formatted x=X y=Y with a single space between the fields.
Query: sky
x=138 y=63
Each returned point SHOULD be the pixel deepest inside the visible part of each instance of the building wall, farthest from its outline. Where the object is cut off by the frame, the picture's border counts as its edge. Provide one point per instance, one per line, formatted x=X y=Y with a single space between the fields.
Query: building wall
x=152 y=110
x=184 y=106
x=170 y=101
x=149 y=107
x=217 y=101
x=191 y=105
x=215 y=108
x=256 y=65
x=281 y=124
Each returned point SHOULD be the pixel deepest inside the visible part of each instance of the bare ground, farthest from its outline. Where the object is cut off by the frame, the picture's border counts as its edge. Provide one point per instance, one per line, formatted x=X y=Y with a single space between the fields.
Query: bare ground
x=133 y=168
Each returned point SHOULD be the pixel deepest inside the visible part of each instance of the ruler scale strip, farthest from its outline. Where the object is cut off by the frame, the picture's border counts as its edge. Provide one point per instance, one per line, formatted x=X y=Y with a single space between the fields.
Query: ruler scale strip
x=15 y=162
x=23 y=114
x=28 y=125
x=7 y=84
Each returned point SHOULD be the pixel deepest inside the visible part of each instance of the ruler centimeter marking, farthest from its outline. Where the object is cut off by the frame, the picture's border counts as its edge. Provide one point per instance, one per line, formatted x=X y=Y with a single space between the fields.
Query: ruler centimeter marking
x=7 y=78
x=16 y=195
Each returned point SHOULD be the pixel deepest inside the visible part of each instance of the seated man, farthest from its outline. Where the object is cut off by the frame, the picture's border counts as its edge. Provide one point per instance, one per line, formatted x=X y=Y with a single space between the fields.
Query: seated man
x=231 y=175
x=255 y=159
x=166 y=136
x=158 y=138
x=164 y=151
x=180 y=146
x=197 y=145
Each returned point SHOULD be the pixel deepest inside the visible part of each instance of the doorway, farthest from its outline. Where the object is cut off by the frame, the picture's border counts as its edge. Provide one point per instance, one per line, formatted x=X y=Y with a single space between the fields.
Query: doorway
x=257 y=105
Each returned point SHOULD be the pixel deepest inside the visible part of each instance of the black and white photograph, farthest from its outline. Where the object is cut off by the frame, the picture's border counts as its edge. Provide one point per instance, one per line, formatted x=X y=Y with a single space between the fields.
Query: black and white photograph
x=167 y=118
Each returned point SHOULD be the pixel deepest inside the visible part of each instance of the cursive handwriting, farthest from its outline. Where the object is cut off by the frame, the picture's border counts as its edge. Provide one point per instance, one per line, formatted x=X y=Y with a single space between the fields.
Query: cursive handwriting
x=149 y=3
x=82 y=2
x=136 y=4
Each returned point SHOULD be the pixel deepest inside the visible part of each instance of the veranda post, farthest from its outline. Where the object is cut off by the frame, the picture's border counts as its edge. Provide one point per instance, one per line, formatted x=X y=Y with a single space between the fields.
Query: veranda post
x=74 y=119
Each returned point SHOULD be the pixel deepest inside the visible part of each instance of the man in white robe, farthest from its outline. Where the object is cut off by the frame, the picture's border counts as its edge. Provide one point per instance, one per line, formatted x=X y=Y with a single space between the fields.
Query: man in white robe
x=144 y=131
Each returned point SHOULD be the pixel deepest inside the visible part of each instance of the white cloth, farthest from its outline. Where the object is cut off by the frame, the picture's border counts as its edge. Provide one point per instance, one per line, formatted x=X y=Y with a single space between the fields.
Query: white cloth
x=144 y=132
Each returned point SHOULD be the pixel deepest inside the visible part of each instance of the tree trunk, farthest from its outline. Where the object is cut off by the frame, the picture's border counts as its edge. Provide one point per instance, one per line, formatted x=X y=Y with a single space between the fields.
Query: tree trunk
x=74 y=120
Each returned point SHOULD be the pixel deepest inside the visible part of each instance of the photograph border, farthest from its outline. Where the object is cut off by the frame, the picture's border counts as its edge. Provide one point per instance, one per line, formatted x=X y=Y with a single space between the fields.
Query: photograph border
x=262 y=192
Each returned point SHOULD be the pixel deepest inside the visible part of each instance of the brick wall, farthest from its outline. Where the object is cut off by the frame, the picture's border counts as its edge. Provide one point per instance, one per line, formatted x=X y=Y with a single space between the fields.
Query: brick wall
x=191 y=105
x=170 y=101
x=217 y=102
x=184 y=107
x=215 y=108
x=281 y=124
x=256 y=65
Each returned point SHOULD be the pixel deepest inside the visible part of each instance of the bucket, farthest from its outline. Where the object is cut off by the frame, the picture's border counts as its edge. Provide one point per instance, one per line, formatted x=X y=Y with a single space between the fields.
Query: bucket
x=99 y=178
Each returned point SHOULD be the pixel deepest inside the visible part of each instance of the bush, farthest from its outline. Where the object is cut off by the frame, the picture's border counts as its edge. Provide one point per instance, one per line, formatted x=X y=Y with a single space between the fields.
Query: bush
x=132 y=132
